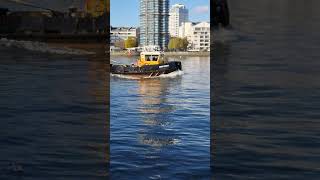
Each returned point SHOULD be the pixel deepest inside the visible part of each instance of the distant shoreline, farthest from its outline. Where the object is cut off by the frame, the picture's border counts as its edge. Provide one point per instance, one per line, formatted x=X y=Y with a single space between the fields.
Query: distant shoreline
x=194 y=54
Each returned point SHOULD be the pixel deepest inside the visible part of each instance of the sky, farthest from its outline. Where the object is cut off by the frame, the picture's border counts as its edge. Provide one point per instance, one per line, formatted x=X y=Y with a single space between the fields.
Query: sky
x=122 y=12
x=126 y=12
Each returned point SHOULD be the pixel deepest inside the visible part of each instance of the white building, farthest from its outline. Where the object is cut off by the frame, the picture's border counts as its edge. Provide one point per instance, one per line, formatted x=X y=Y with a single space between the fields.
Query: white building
x=198 y=35
x=185 y=30
x=178 y=15
x=122 y=33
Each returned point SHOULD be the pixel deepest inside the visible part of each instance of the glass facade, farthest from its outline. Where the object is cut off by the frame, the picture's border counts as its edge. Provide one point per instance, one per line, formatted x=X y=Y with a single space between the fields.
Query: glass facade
x=154 y=23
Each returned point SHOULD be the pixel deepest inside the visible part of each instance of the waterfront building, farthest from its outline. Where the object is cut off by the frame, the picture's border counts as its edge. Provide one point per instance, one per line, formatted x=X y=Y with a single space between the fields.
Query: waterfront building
x=154 y=23
x=122 y=33
x=178 y=14
x=185 y=30
x=198 y=35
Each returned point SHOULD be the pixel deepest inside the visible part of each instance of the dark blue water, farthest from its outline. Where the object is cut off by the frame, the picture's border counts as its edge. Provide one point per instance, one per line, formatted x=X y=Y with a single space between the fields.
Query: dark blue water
x=160 y=128
x=266 y=98
x=53 y=116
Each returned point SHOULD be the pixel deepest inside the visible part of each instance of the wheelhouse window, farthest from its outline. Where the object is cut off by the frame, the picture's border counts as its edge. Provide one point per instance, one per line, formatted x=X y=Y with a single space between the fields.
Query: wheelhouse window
x=151 y=58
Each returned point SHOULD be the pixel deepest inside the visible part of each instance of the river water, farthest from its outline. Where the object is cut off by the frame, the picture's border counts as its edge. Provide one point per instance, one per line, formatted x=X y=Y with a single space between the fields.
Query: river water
x=53 y=115
x=160 y=127
x=265 y=92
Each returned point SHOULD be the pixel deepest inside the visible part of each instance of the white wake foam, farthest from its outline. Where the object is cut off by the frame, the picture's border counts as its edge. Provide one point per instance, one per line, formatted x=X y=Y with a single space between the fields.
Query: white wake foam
x=41 y=47
x=171 y=75
x=124 y=76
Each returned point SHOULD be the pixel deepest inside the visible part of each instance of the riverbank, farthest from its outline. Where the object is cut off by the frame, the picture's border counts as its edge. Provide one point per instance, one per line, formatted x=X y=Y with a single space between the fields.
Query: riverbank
x=192 y=54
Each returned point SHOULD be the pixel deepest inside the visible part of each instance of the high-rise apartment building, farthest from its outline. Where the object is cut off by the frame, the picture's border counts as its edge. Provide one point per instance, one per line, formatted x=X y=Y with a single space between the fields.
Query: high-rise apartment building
x=154 y=23
x=178 y=14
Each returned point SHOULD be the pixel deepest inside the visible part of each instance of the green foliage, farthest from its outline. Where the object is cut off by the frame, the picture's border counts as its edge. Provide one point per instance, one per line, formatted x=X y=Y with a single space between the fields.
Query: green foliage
x=185 y=43
x=173 y=44
x=176 y=43
x=120 y=44
x=130 y=42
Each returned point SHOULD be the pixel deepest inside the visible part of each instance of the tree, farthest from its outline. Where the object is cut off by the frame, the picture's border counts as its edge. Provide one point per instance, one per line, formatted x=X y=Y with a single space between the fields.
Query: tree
x=179 y=44
x=97 y=7
x=130 y=42
x=185 y=44
x=119 y=44
x=172 y=44
x=176 y=43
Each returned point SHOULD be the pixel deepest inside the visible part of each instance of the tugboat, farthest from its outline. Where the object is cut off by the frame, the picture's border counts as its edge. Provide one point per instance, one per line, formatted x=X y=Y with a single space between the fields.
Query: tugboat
x=149 y=64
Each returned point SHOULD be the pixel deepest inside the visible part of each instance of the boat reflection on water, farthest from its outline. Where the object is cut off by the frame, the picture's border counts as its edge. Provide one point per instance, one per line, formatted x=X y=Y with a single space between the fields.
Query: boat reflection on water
x=155 y=108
